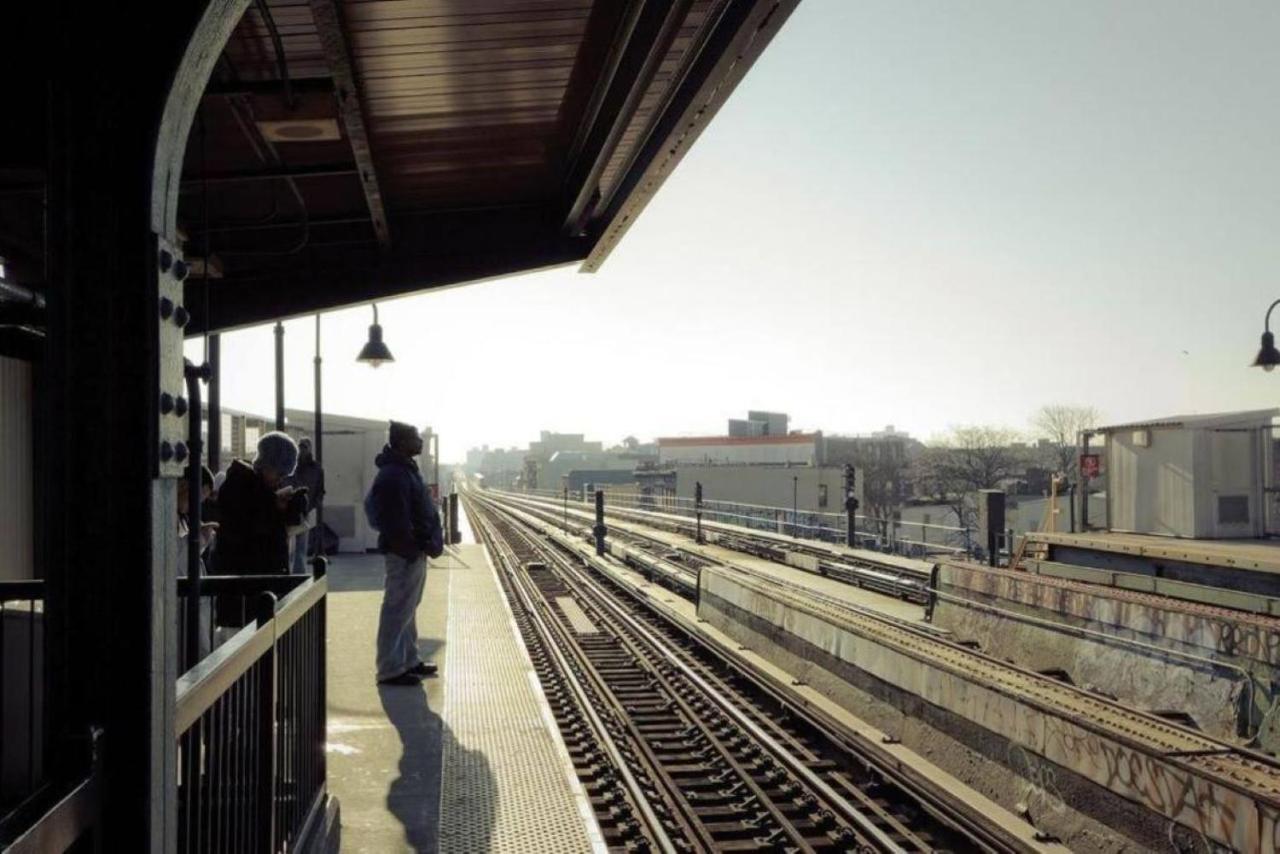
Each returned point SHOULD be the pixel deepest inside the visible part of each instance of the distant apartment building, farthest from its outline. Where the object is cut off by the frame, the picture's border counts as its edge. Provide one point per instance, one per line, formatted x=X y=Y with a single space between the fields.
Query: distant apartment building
x=802 y=449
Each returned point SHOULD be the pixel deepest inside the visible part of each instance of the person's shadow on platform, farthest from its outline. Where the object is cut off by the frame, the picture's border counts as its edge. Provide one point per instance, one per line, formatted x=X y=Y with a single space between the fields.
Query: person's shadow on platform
x=414 y=797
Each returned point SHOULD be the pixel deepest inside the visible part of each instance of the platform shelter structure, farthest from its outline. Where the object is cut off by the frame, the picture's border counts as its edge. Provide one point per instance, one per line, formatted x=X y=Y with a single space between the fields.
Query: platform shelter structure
x=203 y=165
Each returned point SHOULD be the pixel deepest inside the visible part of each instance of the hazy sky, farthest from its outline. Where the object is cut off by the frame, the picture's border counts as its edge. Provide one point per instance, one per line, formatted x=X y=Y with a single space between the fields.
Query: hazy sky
x=924 y=214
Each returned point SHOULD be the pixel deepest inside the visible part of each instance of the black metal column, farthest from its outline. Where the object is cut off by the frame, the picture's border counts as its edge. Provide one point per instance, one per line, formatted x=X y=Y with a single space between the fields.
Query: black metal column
x=599 y=530
x=113 y=142
x=851 y=505
x=317 y=444
x=279 y=376
x=991 y=508
x=455 y=532
x=213 y=453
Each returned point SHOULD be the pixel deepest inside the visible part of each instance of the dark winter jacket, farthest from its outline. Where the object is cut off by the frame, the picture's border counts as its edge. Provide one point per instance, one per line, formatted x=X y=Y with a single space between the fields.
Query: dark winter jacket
x=399 y=507
x=308 y=474
x=252 y=536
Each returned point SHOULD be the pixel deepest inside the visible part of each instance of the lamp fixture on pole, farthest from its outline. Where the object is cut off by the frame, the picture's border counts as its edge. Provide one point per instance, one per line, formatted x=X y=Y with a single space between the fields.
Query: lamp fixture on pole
x=374 y=352
x=1268 y=355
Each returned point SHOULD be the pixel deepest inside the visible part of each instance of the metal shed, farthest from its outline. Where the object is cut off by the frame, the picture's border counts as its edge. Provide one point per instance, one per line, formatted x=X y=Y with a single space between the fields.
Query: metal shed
x=1197 y=476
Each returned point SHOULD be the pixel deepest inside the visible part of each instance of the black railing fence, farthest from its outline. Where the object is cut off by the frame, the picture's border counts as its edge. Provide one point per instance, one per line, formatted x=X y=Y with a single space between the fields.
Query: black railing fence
x=251 y=723
x=21 y=691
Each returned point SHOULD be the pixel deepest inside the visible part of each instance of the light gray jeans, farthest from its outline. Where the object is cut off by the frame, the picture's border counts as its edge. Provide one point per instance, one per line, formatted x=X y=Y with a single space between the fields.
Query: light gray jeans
x=397 y=624
x=299 y=556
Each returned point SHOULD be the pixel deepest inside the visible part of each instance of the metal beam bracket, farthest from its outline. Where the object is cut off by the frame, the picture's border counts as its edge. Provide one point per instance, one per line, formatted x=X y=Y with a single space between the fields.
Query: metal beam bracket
x=171 y=318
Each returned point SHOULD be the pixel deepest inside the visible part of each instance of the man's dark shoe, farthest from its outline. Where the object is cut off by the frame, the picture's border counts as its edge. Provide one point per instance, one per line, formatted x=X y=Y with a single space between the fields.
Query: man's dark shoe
x=422 y=668
x=409 y=678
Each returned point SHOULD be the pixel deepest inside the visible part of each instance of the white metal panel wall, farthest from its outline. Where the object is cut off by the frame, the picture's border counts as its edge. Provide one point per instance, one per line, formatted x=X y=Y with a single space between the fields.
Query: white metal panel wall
x=17 y=512
x=1122 y=483
x=1234 y=471
x=1170 y=461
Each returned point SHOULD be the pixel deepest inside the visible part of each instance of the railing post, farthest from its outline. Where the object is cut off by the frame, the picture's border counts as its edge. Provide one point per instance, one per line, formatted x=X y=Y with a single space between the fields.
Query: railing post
x=265 y=610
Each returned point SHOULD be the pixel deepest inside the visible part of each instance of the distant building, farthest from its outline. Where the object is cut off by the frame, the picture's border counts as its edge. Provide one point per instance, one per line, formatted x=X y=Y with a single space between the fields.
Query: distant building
x=794 y=449
x=759 y=424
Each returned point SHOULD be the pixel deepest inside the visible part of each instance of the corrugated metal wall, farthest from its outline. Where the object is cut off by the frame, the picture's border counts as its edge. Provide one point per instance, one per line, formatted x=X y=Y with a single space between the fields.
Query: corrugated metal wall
x=17 y=516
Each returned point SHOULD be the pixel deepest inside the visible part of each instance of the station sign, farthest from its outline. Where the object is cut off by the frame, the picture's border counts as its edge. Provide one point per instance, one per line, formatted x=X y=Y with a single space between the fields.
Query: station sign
x=1090 y=465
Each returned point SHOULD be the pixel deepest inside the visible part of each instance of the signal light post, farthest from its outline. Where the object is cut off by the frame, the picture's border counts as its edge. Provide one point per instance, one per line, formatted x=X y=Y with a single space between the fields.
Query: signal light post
x=850 y=503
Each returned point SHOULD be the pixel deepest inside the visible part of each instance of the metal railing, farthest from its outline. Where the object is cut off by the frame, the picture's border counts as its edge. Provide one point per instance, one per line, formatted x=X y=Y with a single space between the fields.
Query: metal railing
x=59 y=816
x=21 y=691
x=251 y=725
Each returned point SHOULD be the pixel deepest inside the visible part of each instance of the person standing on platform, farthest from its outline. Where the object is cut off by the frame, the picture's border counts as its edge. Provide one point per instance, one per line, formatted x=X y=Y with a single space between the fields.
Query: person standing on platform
x=308 y=475
x=399 y=507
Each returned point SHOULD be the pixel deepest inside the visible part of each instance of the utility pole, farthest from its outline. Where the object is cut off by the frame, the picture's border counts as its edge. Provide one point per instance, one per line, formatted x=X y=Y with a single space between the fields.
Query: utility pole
x=850 y=504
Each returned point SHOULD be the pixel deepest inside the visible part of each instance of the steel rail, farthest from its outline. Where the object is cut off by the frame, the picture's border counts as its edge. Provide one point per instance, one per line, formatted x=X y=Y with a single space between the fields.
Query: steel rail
x=726 y=753
x=854 y=816
x=654 y=825
x=874 y=837
x=865 y=571
x=922 y=792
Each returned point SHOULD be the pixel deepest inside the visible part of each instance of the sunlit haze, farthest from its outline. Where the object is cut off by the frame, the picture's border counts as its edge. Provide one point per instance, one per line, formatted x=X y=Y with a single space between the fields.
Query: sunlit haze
x=920 y=214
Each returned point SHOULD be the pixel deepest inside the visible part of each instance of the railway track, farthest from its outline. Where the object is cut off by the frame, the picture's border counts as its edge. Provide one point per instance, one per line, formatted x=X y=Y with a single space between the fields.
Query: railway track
x=679 y=750
x=901 y=578
x=1239 y=799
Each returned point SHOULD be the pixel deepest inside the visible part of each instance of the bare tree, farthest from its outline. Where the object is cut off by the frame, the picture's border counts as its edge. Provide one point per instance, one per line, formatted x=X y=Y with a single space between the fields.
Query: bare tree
x=964 y=461
x=1062 y=424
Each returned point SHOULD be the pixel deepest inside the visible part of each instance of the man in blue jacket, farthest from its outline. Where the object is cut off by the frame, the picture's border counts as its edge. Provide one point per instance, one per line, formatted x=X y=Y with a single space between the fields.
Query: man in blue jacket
x=400 y=509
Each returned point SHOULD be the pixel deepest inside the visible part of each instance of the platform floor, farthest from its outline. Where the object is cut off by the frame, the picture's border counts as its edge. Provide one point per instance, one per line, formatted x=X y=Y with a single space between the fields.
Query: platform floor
x=469 y=761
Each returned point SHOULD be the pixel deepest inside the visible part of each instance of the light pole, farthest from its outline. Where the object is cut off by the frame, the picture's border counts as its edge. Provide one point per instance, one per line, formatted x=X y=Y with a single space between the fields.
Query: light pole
x=1268 y=356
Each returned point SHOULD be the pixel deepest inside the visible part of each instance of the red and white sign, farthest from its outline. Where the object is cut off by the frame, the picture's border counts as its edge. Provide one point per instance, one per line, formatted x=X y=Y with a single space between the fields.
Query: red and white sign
x=1090 y=465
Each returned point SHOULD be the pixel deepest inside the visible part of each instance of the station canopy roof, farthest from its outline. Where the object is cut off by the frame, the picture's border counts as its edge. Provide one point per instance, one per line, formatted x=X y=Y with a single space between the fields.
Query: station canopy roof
x=348 y=151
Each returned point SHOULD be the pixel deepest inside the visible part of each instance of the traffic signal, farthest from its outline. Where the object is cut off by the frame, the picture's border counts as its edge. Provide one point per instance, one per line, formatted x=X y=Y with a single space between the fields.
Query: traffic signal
x=850 y=488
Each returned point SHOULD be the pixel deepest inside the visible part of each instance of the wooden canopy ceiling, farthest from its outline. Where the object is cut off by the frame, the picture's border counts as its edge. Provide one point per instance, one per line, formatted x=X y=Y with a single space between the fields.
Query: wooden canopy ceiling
x=346 y=151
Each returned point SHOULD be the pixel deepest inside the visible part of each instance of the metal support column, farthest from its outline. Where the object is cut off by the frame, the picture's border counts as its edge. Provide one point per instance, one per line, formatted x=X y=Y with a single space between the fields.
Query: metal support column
x=279 y=376
x=455 y=530
x=599 y=530
x=193 y=375
x=317 y=445
x=213 y=453
x=991 y=507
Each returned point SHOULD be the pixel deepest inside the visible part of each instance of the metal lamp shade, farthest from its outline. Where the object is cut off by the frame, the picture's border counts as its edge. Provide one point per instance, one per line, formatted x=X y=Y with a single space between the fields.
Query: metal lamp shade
x=375 y=352
x=1268 y=355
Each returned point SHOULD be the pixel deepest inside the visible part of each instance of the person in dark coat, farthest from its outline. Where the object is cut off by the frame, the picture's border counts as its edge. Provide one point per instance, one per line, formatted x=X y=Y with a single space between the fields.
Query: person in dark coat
x=254 y=513
x=399 y=507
